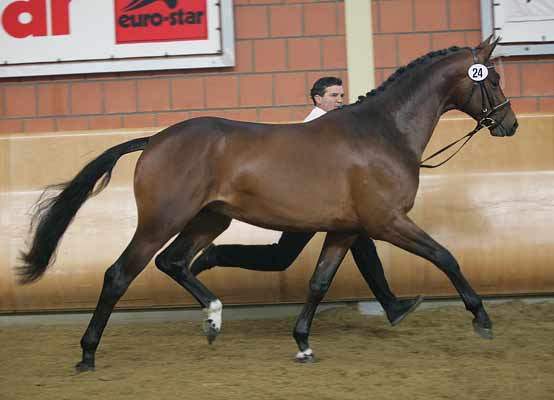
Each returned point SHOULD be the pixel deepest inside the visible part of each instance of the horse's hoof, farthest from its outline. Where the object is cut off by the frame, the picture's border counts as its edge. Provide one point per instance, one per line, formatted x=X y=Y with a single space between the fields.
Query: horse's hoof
x=305 y=357
x=210 y=330
x=485 y=333
x=84 y=367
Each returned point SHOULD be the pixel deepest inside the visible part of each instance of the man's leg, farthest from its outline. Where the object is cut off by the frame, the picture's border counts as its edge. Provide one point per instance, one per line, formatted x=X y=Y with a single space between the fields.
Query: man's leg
x=272 y=257
x=369 y=264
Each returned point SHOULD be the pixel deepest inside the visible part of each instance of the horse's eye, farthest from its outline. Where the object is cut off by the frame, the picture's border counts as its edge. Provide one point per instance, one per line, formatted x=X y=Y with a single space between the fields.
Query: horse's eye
x=494 y=83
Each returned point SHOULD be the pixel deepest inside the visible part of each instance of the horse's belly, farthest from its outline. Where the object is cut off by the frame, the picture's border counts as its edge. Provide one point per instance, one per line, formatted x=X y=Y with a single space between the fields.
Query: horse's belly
x=282 y=218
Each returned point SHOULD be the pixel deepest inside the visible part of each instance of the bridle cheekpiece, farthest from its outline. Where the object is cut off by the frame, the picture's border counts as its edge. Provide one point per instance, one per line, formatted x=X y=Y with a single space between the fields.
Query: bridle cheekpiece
x=486 y=119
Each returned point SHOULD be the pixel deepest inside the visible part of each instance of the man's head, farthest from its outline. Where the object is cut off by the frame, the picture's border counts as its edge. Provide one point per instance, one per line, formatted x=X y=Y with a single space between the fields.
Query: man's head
x=327 y=93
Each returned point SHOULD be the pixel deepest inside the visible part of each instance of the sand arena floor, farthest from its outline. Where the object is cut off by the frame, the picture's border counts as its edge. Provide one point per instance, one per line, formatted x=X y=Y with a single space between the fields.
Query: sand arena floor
x=434 y=354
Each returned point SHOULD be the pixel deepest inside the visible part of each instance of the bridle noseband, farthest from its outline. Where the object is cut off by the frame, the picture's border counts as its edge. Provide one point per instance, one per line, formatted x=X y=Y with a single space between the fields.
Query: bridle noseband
x=486 y=120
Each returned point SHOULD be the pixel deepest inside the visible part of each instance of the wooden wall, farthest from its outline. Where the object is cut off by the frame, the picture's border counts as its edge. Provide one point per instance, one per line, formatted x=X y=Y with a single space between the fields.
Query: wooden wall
x=492 y=206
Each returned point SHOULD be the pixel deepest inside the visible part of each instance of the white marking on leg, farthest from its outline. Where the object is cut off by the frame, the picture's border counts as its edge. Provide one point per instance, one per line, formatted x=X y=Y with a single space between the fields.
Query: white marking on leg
x=303 y=354
x=214 y=313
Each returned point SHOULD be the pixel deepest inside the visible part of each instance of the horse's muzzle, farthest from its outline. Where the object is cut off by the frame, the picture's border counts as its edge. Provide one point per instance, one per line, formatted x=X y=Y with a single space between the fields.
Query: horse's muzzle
x=501 y=130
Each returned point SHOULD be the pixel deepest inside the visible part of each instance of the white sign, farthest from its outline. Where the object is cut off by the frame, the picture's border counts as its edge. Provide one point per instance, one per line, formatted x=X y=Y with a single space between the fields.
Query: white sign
x=46 y=37
x=478 y=72
x=525 y=26
x=524 y=21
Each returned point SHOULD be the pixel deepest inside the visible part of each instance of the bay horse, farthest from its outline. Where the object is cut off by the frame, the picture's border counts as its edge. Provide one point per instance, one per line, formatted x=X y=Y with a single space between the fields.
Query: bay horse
x=352 y=170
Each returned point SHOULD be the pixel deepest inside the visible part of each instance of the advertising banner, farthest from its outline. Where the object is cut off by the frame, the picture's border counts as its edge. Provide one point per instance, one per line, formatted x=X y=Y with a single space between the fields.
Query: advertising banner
x=44 y=37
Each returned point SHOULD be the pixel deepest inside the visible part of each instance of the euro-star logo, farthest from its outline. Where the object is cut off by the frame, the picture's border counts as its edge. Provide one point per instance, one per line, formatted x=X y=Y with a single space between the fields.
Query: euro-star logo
x=140 y=21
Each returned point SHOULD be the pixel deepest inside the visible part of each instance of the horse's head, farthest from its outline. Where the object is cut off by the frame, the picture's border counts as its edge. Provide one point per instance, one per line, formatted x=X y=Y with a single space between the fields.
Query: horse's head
x=479 y=93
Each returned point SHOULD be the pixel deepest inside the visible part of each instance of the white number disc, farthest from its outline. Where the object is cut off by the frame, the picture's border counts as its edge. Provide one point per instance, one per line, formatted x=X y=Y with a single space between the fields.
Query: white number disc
x=478 y=72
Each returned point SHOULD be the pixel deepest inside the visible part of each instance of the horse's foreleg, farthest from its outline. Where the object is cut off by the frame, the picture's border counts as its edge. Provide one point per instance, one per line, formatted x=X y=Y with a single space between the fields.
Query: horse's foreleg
x=175 y=259
x=116 y=281
x=405 y=234
x=334 y=249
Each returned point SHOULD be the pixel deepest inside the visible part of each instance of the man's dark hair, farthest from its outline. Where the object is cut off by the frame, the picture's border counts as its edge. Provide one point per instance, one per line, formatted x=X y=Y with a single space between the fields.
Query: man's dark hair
x=322 y=84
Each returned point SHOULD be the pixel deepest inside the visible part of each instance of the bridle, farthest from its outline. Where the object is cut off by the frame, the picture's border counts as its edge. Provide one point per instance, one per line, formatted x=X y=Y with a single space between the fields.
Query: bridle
x=485 y=121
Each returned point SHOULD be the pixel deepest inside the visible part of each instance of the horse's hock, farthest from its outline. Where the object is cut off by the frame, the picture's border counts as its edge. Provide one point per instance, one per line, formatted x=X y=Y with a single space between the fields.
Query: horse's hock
x=492 y=206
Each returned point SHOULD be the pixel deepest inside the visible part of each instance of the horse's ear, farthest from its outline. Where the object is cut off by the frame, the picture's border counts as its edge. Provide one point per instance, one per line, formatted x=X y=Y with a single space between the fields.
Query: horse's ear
x=485 y=42
x=485 y=49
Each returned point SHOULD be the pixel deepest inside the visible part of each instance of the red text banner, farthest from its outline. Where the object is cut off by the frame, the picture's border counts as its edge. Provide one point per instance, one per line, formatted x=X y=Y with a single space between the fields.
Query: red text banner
x=153 y=21
x=40 y=37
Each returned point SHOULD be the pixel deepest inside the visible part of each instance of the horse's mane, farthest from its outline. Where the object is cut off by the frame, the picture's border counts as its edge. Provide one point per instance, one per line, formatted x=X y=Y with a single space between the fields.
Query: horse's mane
x=402 y=71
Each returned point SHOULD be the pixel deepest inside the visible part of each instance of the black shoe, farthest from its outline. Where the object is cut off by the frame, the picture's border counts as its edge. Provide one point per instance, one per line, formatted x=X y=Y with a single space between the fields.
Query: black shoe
x=401 y=309
x=204 y=261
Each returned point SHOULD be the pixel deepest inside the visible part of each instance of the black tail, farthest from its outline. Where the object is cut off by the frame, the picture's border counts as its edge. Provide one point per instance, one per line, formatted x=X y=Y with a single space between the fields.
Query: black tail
x=54 y=214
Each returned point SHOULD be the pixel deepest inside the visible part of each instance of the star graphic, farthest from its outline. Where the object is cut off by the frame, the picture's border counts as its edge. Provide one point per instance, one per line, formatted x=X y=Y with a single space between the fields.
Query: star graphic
x=135 y=4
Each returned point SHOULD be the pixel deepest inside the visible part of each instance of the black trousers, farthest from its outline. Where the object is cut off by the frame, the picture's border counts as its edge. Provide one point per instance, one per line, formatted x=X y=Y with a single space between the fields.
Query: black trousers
x=279 y=256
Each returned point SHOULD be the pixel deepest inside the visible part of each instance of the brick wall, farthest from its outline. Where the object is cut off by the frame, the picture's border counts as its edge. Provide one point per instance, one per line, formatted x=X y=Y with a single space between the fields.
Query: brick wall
x=405 y=29
x=282 y=46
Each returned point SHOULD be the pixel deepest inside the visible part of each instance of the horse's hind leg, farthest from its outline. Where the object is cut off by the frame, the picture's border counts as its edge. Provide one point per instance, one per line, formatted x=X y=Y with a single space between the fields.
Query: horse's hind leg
x=334 y=249
x=117 y=279
x=175 y=259
x=405 y=234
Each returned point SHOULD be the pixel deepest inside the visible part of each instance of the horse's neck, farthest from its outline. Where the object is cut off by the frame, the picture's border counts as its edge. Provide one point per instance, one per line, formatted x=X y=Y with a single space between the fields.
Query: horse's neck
x=419 y=102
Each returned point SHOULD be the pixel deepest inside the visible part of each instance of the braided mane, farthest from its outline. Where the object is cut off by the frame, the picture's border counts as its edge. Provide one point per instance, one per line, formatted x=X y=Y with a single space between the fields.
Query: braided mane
x=403 y=70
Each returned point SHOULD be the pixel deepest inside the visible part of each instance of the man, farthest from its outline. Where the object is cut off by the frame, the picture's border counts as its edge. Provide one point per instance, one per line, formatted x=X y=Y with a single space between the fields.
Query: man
x=327 y=94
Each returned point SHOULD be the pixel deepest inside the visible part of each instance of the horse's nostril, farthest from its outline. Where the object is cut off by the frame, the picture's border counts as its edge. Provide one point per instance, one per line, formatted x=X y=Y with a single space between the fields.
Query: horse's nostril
x=516 y=124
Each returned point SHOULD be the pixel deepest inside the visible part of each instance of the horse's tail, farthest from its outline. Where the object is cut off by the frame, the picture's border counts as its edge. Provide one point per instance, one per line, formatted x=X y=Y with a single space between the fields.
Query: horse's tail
x=53 y=214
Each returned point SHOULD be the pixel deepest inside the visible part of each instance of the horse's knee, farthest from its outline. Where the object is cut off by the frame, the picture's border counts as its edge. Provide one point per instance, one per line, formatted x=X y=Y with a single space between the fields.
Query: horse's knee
x=115 y=281
x=174 y=269
x=318 y=288
x=166 y=265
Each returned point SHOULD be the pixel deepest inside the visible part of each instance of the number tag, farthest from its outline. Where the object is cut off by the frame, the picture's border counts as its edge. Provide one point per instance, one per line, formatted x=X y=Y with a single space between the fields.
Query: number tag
x=478 y=72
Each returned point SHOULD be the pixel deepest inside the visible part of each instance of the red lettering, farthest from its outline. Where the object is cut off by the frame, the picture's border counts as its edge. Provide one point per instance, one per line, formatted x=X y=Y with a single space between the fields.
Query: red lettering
x=35 y=27
x=60 y=17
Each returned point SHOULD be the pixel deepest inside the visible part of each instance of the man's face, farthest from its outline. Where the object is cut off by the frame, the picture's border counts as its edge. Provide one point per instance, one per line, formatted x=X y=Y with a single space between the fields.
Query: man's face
x=331 y=99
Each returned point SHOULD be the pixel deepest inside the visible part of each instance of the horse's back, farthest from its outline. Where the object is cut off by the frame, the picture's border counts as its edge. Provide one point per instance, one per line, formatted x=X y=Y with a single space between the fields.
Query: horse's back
x=276 y=175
